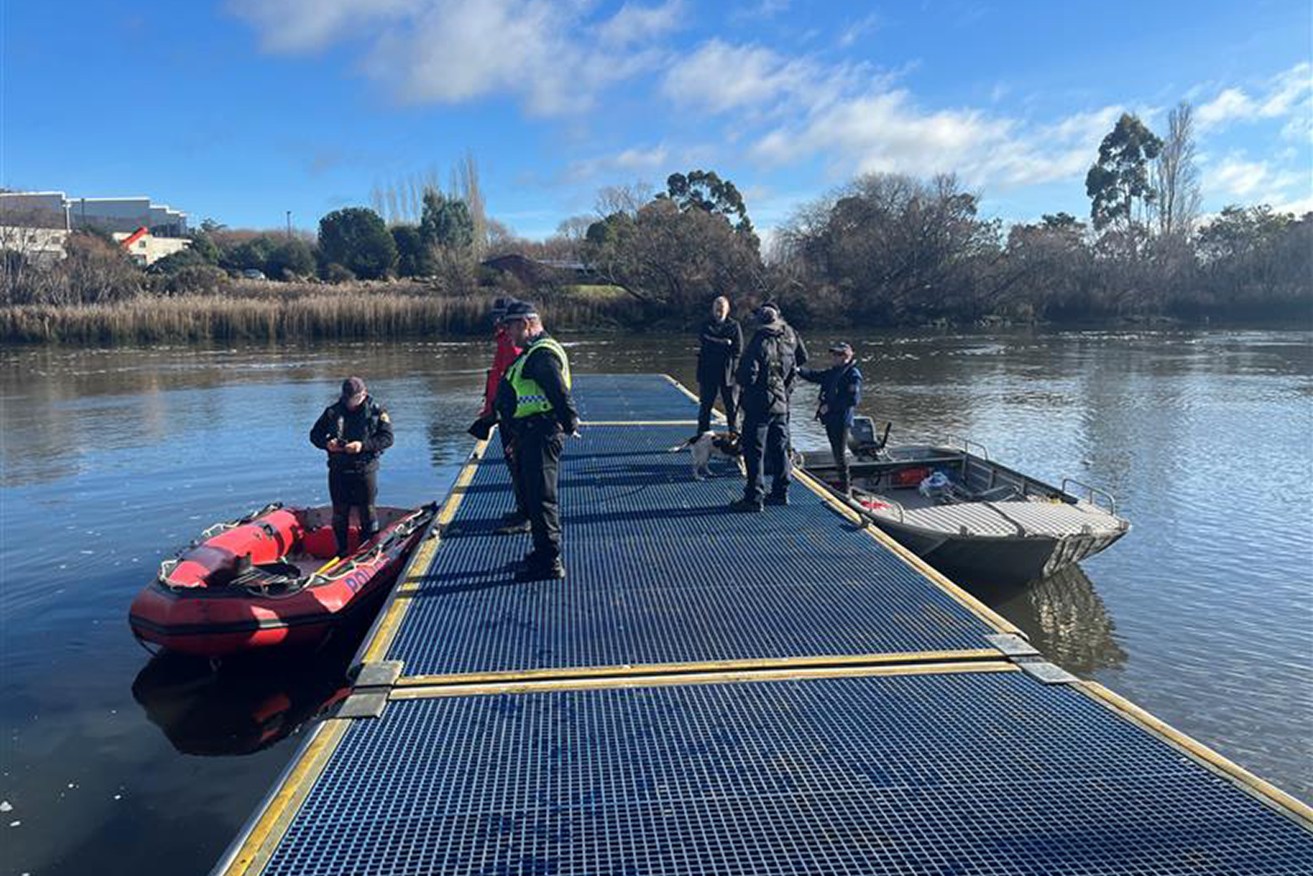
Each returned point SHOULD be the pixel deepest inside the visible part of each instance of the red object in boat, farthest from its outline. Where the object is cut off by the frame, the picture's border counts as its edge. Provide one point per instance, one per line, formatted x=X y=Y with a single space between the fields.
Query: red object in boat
x=910 y=477
x=264 y=580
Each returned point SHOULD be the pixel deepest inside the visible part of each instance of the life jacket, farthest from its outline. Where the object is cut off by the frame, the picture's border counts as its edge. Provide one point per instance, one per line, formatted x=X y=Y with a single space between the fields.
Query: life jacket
x=778 y=364
x=530 y=400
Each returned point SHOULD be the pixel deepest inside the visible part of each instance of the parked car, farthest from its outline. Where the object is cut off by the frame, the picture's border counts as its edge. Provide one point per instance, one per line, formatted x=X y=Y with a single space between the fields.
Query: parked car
x=253 y=274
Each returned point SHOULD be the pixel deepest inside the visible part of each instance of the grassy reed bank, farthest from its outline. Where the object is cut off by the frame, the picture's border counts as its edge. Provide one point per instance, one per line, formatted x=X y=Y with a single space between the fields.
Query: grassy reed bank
x=266 y=311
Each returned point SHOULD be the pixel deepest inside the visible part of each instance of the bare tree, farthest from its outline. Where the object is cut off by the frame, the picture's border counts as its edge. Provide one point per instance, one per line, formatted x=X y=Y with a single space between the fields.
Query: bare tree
x=465 y=186
x=626 y=199
x=1176 y=178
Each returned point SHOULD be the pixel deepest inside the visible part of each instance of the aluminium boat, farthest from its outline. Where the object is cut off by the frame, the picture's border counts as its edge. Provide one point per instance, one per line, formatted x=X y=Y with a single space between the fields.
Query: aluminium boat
x=975 y=520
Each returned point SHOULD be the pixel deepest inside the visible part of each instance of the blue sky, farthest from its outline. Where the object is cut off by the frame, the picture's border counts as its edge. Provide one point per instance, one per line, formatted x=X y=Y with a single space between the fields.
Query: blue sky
x=244 y=109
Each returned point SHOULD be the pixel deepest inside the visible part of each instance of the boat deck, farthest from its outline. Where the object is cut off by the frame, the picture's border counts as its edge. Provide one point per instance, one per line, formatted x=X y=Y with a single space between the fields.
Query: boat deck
x=1020 y=517
x=789 y=692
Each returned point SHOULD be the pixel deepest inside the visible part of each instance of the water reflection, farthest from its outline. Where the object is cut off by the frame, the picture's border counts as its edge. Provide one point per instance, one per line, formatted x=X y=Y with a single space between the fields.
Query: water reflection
x=244 y=705
x=1064 y=618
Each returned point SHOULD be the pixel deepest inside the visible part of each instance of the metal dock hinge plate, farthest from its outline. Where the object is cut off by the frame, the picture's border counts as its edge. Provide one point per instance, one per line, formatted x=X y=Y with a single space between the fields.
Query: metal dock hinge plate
x=373 y=684
x=1046 y=672
x=1012 y=645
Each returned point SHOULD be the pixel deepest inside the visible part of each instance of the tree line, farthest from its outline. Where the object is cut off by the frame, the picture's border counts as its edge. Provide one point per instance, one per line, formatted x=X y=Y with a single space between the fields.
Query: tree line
x=883 y=249
x=890 y=249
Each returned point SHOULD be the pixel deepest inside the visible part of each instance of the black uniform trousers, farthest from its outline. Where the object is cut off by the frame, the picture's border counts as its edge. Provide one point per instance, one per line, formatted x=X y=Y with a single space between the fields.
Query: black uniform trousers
x=353 y=489
x=837 y=432
x=707 y=392
x=538 y=444
x=765 y=438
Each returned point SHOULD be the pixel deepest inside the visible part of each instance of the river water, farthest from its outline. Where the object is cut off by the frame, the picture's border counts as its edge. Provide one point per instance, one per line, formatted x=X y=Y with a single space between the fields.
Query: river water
x=113 y=763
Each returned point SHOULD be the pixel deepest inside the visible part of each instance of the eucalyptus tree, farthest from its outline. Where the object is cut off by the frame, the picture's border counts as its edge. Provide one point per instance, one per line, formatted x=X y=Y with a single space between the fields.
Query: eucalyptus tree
x=1118 y=184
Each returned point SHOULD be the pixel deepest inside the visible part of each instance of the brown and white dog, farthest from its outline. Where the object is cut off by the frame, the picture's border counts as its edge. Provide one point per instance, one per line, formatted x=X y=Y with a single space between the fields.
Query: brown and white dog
x=706 y=445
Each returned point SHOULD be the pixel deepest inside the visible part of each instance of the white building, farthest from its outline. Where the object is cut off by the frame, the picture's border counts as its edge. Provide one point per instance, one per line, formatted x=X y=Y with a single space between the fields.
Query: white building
x=57 y=210
x=145 y=248
x=34 y=210
x=126 y=215
x=37 y=224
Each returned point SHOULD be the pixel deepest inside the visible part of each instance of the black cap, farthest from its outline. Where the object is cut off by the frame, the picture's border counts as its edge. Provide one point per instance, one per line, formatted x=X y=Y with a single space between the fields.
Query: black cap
x=353 y=390
x=520 y=310
x=768 y=312
x=841 y=347
x=499 y=309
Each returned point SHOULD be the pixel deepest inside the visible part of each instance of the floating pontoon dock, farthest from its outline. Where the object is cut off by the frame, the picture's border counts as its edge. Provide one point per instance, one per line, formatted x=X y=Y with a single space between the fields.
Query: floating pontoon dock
x=707 y=692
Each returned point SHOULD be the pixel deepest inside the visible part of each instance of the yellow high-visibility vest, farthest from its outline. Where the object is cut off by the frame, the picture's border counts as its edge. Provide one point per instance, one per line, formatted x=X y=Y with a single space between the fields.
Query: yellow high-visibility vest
x=529 y=396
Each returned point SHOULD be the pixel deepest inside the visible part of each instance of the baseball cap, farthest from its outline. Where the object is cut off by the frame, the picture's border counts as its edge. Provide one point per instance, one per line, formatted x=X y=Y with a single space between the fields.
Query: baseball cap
x=353 y=390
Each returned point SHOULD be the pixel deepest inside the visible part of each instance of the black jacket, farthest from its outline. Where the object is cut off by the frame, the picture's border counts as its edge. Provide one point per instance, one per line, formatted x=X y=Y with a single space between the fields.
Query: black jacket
x=721 y=344
x=768 y=368
x=369 y=424
x=841 y=391
x=545 y=369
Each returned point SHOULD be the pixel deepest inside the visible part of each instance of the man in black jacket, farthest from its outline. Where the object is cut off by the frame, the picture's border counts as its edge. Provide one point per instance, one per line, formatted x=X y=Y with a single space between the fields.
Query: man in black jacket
x=354 y=430
x=765 y=375
x=721 y=344
x=841 y=391
x=535 y=406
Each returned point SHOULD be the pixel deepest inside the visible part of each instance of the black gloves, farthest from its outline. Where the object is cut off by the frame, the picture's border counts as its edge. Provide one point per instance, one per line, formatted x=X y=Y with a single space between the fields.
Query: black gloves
x=482 y=427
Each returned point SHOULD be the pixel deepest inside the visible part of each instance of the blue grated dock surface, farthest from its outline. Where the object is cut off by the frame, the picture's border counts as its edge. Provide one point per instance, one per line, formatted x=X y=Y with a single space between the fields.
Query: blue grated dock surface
x=660 y=572
x=962 y=773
x=969 y=768
x=635 y=397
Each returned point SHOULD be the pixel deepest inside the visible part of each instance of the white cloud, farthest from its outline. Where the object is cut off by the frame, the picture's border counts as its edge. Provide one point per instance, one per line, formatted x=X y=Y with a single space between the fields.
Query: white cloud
x=629 y=163
x=552 y=55
x=633 y=24
x=885 y=131
x=1289 y=93
x=1236 y=177
x=858 y=29
x=719 y=77
x=311 y=25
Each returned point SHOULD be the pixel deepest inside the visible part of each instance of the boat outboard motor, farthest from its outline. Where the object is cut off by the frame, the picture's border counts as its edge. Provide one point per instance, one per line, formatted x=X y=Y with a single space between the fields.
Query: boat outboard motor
x=862 y=439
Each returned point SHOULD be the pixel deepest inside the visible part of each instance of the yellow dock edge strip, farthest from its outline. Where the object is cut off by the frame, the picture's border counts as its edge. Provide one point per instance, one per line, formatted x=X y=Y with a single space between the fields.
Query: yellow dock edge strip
x=256 y=845
x=1236 y=774
x=680 y=678
x=704 y=667
x=385 y=629
x=682 y=388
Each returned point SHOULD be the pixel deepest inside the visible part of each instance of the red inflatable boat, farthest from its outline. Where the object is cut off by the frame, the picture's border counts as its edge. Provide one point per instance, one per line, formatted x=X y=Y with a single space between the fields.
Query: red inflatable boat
x=271 y=579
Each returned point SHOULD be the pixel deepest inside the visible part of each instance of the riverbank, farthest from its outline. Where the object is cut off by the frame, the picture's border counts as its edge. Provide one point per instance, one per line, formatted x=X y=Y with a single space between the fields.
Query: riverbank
x=261 y=311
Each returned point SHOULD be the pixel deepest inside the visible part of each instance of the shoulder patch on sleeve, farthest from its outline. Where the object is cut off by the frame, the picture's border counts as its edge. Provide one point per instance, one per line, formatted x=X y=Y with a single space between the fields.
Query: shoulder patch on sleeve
x=383 y=416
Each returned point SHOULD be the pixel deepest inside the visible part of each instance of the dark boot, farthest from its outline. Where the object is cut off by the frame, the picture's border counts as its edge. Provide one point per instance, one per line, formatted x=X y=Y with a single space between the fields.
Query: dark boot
x=745 y=505
x=535 y=569
x=514 y=528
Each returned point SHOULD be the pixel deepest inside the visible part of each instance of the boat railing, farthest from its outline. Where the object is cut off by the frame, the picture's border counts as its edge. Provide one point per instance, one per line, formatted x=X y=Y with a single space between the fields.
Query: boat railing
x=967 y=444
x=1092 y=494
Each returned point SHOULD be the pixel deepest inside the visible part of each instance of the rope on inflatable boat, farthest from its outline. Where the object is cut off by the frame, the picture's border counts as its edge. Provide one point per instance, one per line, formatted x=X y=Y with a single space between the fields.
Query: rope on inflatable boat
x=401 y=531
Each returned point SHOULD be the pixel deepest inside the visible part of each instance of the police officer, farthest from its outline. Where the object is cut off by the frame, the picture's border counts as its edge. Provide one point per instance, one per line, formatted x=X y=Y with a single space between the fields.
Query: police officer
x=517 y=519
x=354 y=430
x=765 y=376
x=720 y=344
x=535 y=406
x=841 y=391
